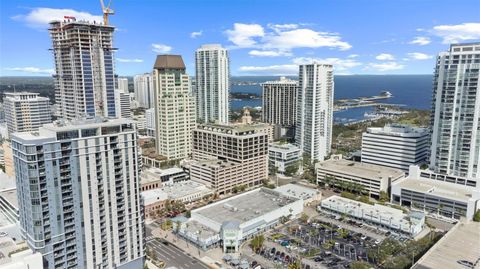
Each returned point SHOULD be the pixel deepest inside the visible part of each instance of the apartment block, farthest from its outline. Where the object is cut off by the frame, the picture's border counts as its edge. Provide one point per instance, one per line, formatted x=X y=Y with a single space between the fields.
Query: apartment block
x=212 y=83
x=313 y=132
x=26 y=111
x=84 y=69
x=79 y=194
x=455 y=149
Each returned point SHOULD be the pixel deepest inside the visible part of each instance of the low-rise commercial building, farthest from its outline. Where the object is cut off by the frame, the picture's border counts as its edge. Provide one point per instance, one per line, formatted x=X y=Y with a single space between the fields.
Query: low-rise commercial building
x=396 y=146
x=380 y=215
x=19 y=259
x=184 y=191
x=283 y=155
x=154 y=178
x=308 y=195
x=154 y=201
x=436 y=197
x=372 y=178
x=238 y=218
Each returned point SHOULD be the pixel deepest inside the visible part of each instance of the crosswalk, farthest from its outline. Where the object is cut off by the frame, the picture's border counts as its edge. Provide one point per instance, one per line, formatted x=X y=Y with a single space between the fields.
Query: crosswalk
x=149 y=238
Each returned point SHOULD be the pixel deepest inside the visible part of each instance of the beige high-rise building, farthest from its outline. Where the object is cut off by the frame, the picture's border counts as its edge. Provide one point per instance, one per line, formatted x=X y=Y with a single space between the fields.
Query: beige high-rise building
x=226 y=156
x=174 y=107
x=26 y=111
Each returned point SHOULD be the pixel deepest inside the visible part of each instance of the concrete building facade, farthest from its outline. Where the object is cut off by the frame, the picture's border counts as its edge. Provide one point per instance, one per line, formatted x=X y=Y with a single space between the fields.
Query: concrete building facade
x=79 y=194
x=212 y=84
x=144 y=90
x=226 y=156
x=174 y=107
x=313 y=132
x=84 y=69
x=26 y=111
x=280 y=102
x=373 y=178
x=283 y=155
x=455 y=146
x=396 y=146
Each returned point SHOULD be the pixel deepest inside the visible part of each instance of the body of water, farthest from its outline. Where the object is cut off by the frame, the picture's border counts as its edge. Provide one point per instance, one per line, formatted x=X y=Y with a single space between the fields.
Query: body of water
x=412 y=91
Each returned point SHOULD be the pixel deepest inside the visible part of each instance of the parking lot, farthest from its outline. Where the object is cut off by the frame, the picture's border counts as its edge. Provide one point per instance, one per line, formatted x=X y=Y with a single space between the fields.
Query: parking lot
x=326 y=241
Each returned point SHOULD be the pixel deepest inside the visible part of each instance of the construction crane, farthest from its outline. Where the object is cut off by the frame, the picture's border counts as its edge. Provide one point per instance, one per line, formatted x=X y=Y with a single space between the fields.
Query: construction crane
x=106 y=11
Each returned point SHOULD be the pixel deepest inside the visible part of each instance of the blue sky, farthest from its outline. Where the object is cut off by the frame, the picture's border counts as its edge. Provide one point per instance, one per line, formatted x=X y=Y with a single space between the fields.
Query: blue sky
x=269 y=37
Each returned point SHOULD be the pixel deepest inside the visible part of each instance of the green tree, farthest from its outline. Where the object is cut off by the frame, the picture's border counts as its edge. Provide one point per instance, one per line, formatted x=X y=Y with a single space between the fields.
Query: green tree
x=360 y=265
x=476 y=216
x=304 y=218
x=295 y=265
x=291 y=169
x=257 y=242
x=384 y=197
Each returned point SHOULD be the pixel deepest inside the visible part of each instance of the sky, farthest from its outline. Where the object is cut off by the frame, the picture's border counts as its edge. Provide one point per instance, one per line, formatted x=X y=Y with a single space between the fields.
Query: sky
x=264 y=37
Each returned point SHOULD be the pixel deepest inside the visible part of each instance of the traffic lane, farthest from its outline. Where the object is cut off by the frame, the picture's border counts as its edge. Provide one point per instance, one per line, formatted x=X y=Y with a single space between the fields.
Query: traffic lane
x=173 y=256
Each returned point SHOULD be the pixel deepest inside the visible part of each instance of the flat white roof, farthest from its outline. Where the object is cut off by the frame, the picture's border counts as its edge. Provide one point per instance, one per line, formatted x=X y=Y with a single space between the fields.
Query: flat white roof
x=297 y=191
x=181 y=189
x=282 y=147
x=358 y=169
x=246 y=206
x=154 y=196
x=437 y=188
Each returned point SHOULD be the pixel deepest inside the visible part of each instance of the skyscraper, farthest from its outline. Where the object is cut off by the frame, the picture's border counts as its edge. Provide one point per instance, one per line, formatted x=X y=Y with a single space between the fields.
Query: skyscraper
x=144 y=90
x=85 y=75
x=212 y=84
x=123 y=85
x=78 y=193
x=456 y=112
x=315 y=110
x=26 y=111
x=279 y=102
x=122 y=104
x=174 y=107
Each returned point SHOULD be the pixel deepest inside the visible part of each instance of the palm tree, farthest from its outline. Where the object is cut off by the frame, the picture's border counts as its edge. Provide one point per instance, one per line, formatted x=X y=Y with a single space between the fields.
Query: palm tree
x=295 y=265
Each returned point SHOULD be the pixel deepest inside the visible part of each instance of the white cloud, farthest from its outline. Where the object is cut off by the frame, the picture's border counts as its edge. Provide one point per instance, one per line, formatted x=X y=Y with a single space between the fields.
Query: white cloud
x=282 y=37
x=123 y=60
x=274 y=70
x=385 y=57
x=385 y=66
x=338 y=63
x=196 y=34
x=281 y=27
x=242 y=35
x=420 y=40
x=419 y=56
x=269 y=53
x=304 y=38
x=34 y=70
x=40 y=17
x=353 y=56
x=161 y=48
x=457 y=33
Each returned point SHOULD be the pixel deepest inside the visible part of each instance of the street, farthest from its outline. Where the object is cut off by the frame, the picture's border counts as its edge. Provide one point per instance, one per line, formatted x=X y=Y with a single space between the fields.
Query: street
x=173 y=256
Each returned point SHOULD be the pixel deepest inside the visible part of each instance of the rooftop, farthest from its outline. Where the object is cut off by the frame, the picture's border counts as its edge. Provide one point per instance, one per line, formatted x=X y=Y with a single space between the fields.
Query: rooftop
x=246 y=206
x=169 y=62
x=462 y=242
x=283 y=147
x=154 y=174
x=233 y=129
x=399 y=130
x=437 y=188
x=153 y=196
x=282 y=80
x=360 y=169
x=179 y=190
x=385 y=212
x=297 y=191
